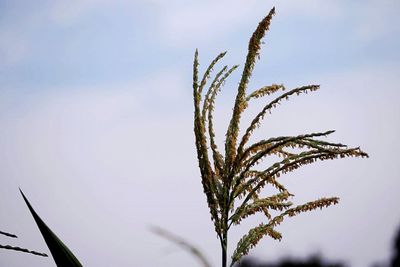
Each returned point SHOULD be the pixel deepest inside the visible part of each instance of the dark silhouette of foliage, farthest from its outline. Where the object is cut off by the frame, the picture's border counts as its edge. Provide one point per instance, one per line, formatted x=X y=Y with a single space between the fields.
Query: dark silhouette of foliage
x=318 y=261
x=313 y=261
x=395 y=261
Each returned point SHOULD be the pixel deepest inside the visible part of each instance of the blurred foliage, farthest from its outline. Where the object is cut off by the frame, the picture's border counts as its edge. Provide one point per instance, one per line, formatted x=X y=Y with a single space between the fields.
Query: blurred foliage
x=313 y=261
x=319 y=261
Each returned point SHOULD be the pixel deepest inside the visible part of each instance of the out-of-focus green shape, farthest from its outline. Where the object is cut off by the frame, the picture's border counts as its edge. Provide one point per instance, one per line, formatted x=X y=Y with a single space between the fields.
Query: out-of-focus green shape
x=62 y=256
x=183 y=244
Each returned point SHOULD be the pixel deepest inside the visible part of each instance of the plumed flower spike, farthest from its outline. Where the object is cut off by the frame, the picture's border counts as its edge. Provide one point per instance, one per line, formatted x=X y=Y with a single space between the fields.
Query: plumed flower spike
x=233 y=182
x=253 y=53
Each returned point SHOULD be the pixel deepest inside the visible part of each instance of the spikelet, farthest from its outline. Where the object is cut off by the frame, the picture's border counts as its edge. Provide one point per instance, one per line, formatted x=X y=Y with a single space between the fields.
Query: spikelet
x=309 y=206
x=209 y=70
x=266 y=90
x=216 y=88
x=253 y=53
x=256 y=234
x=275 y=202
x=258 y=177
x=196 y=72
x=202 y=127
x=256 y=121
x=320 y=142
x=294 y=163
x=210 y=91
x=252 y=238
x=264 y=148
x=264 y=209
x=217 y=157
x=208 y=179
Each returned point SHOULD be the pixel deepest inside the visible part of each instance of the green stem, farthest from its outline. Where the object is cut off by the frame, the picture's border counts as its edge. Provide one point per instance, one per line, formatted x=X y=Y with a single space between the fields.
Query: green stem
x=224 y=250
x=224 y=241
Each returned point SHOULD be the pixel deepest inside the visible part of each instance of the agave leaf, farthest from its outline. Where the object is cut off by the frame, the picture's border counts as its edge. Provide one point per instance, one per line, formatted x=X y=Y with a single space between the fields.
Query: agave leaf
x=62 y=256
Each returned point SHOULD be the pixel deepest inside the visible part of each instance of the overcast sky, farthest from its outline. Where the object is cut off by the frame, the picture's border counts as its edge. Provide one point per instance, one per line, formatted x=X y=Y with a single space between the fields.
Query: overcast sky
x=96 y=124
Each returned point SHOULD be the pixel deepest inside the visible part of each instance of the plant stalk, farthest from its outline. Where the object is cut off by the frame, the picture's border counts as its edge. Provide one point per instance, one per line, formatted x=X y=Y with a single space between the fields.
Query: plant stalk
x=224 y=250
x=224 y=241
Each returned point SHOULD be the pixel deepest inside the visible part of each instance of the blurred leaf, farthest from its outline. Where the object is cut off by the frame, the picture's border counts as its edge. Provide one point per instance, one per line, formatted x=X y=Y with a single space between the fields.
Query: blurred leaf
x=62 y=256
x=195 y=252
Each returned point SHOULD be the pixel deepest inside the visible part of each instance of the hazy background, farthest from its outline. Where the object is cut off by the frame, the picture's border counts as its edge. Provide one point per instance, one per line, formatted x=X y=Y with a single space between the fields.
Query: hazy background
x=96 y=123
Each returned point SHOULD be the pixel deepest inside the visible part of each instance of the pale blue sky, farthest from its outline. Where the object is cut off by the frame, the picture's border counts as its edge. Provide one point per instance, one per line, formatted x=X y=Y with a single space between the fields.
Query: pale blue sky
x=96 y=123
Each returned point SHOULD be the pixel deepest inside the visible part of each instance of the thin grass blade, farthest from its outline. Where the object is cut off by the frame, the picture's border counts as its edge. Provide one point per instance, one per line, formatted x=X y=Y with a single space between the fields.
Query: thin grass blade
x=23 y=250
x=8 y=234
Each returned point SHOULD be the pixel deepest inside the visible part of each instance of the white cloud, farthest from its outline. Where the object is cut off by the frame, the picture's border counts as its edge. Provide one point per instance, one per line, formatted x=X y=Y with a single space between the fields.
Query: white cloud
x=311 y=8
x=182 y=24
x=69 y=12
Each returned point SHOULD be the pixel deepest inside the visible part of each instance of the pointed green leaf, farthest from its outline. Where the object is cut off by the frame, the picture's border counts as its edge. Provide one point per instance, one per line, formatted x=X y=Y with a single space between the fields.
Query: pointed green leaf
x=62 y=256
